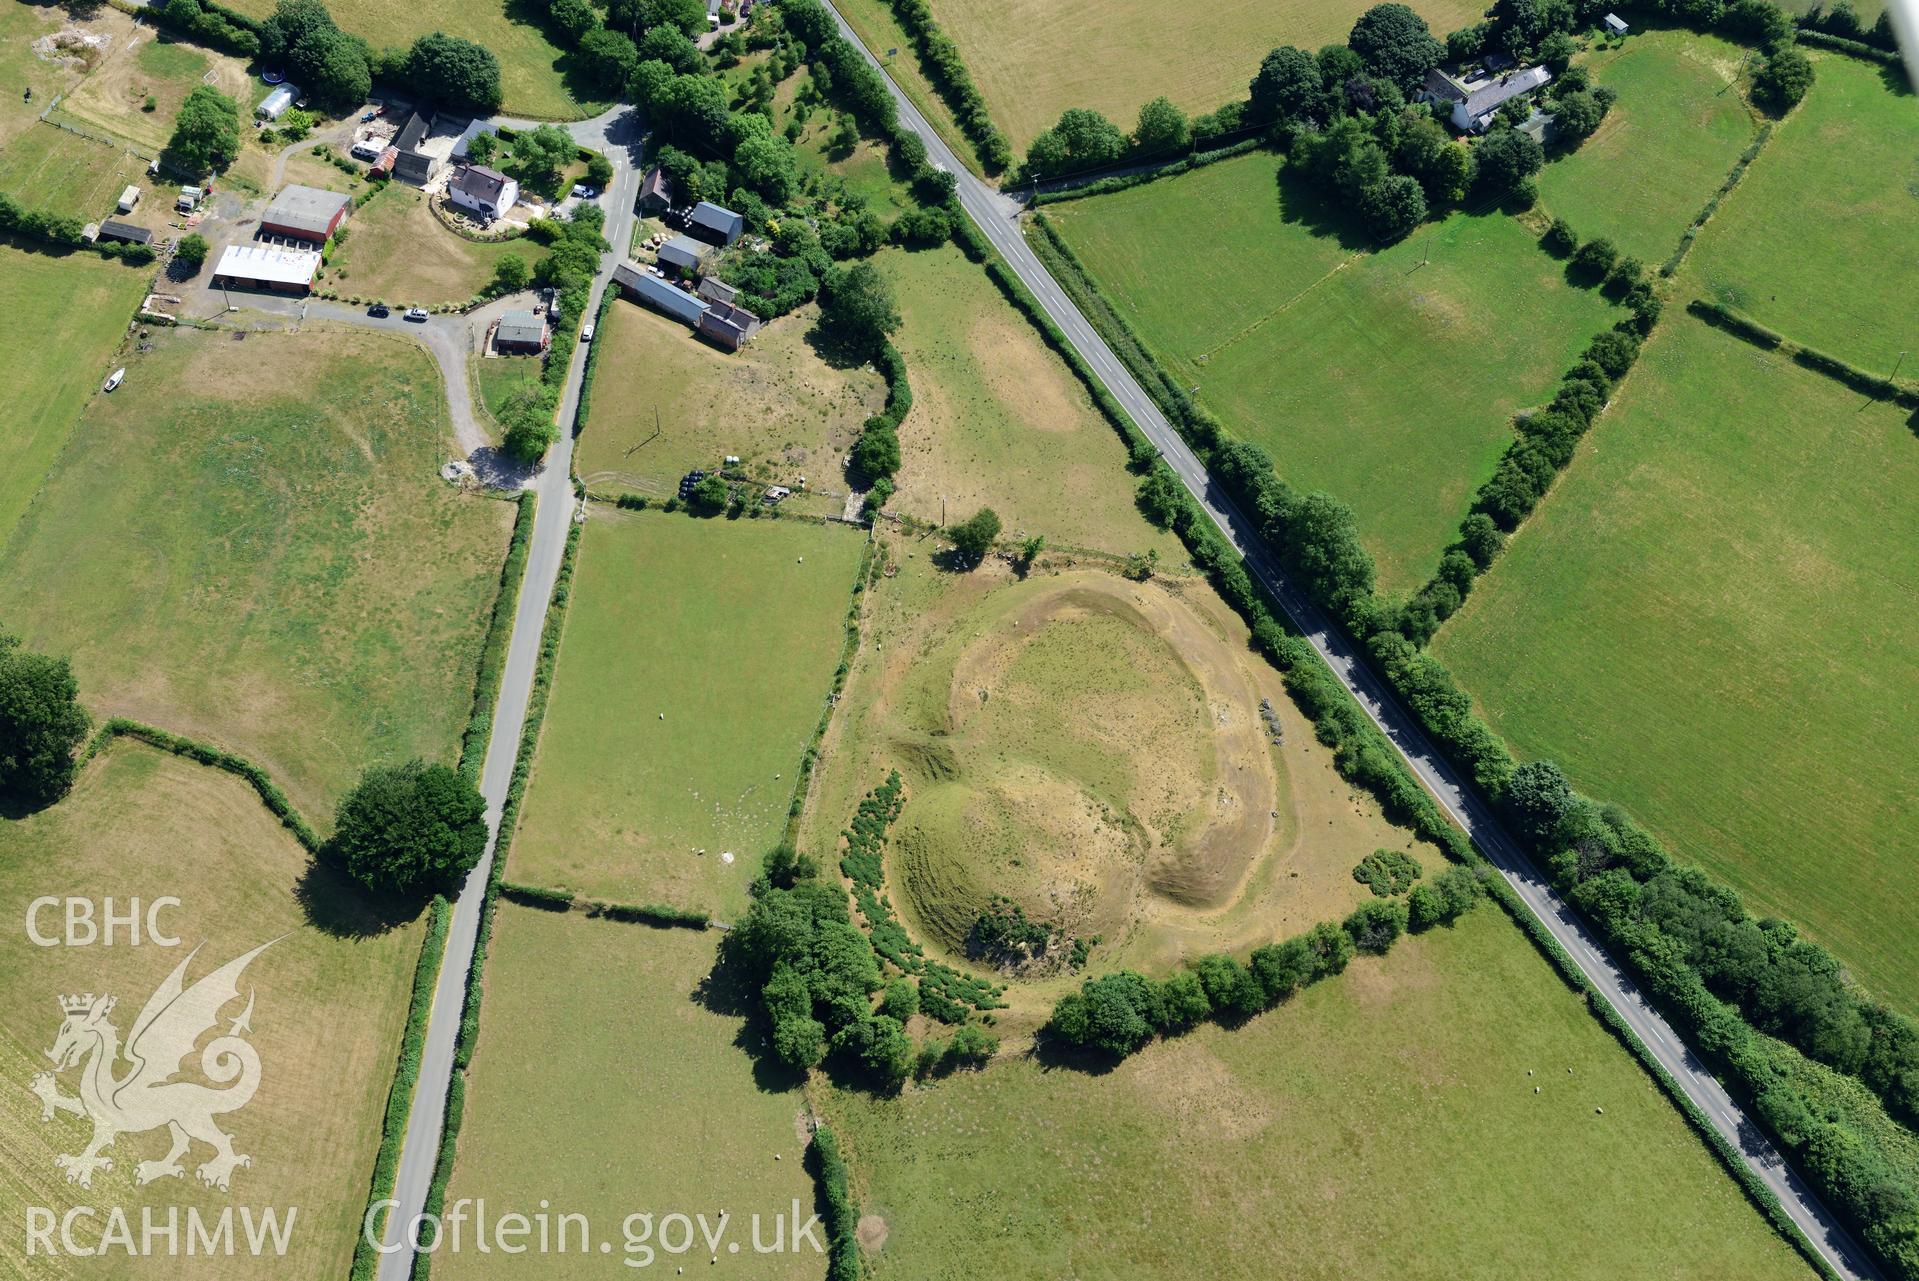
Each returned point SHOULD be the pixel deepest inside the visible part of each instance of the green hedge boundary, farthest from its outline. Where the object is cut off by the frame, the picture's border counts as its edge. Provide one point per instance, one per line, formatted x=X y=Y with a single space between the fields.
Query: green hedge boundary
x=499 y=633
x=1737 y=172
x=1853 y=48
x=399 y=1099
x=219 y=758
x=1125 y=182
x=552 y=900
x=842 y=1225
x=585 y=402
x=468 y=1038
x=1860 y=380
x=1362 y=754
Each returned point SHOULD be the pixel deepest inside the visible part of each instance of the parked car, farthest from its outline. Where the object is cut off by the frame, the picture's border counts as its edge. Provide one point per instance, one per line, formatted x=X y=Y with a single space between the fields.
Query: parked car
x=586 y=334
x=417 y=314
x=379 y=310
x=585 y=192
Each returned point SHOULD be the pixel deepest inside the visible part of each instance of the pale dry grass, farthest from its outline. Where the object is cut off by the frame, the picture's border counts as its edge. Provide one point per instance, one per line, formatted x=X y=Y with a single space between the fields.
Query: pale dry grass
x=328 y=1008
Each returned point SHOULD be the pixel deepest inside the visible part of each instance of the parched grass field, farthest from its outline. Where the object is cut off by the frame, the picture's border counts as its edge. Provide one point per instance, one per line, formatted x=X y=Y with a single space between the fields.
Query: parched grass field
x=145 y=62
x=665 y=402
x=78 y=306
x=1713 y=615
x=396 y=250
x=1033 y=59
x=533 y=79
x=999 y=420
x=268 y=563
x=696 y=662
x=656 y=1111
x=329 y=1004
x=1380 y=1124
x=22 y=69
x=1679 y=126
x=1388 y=379
x=1839 y=184
x=1016 y=713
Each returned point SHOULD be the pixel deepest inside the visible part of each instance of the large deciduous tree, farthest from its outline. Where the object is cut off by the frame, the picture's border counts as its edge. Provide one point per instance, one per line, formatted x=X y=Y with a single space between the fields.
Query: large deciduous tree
x=457 y=73
x=1288 y=87
x=206 y=133
x=1395 y=43
x=412 y=829
x=41 y=724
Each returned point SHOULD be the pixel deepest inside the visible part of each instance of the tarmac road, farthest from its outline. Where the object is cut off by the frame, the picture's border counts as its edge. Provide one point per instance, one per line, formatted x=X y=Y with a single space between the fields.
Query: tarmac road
x=997 y=215
x=619 y=134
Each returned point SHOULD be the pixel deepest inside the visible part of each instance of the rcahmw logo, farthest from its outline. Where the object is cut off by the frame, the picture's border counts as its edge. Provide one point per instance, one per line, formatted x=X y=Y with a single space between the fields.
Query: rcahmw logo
x=129 y=1088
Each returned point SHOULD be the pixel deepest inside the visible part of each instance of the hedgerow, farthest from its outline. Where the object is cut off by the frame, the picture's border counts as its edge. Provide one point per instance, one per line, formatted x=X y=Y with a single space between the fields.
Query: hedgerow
x=842 y=1239
x=499 y=633
x=947 y=70
x=399 y=1099
x=193 y=749
x=468 y=1038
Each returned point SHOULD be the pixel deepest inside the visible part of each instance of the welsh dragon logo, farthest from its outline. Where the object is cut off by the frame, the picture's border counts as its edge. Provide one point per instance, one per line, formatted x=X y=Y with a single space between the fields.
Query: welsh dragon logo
x=143 y=1095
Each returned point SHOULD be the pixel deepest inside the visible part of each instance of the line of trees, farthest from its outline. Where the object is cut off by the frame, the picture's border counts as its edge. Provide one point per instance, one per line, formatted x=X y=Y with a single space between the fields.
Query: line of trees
x=1119 y=1013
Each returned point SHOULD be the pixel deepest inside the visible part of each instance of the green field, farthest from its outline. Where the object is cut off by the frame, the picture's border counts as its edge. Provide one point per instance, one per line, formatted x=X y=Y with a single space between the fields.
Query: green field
x=659 y=1111
x=77 y=306
x=697 y=658
x=48 y=168
x=1679 y=126
x=1387 y=379
x=248 y=543
x=1713 y=611
x=1033 y=59
x=998 y=419
x=1281 y=1149
x=329 y=1003
x=533 y=77
x=1839 y=185
x=665 y=402
x=496 y=380
x=396 y=250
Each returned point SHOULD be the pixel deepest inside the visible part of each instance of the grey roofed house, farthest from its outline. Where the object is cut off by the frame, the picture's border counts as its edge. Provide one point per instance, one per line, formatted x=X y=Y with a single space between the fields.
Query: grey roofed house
x=114 y=229
x=520 y=328
x=307 y=212
x=658 y=294
x=1486 y=98
x=713 y=289
x=480 y=183
x=683 y=252
x=712 y=222
x=1615 y=24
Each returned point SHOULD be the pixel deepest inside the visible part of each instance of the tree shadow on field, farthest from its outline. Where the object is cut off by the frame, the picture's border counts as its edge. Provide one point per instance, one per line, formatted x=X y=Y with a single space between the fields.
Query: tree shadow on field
x=1052 y=1054
x=1303 y=203
x=340 y=907
x=835 y=347
x=723 y=991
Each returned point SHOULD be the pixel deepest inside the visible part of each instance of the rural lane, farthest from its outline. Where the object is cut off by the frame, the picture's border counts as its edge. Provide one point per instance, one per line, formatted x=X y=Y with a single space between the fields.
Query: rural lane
x=997 y=218
x=619 y=134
